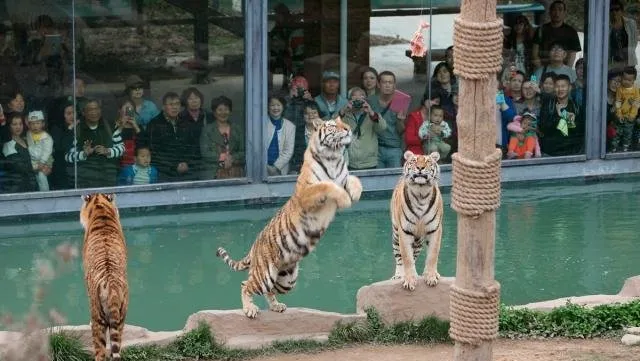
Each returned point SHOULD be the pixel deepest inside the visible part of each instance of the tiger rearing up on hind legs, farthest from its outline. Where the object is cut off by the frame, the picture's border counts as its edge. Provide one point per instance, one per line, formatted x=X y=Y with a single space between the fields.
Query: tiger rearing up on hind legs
x=416 y=217
x=324 y=186
x=104 y=259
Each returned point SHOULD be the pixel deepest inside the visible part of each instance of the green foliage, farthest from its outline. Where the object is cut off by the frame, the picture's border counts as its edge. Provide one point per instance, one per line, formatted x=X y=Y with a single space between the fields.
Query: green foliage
x=569 y=321
x=64 y=347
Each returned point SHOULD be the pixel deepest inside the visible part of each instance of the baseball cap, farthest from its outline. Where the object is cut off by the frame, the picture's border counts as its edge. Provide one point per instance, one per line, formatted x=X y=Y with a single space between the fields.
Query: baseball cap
x=35 y=115
x=327 y=75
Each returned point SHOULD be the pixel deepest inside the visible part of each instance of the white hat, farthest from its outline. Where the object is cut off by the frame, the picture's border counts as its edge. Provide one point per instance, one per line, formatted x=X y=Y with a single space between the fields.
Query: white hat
x=35 y=115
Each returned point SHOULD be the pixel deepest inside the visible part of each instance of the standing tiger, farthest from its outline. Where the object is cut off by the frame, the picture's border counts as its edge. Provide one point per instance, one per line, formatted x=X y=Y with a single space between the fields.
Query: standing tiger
x=104 y=260
x=324 y=185
x=416 y=217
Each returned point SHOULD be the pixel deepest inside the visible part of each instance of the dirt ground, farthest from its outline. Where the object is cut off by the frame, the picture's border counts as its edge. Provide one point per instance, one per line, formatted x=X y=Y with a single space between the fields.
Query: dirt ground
x=503 y=350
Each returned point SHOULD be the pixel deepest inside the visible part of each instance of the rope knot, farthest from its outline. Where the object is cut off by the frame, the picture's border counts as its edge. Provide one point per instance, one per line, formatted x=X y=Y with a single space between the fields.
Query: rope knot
x=474 y=314
x=476 y=184
x=478 y=50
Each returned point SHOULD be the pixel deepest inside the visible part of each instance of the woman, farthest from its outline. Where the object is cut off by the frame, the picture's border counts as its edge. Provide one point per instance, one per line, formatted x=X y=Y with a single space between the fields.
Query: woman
x=530 y=99
x=62 y=134
x=145 y=110
x=623 y=38
x=19 y=173
x=518 y=45
x=222 y=143
x=129 y=131
x=369 y=80
x=281 y=141
x=415 y=120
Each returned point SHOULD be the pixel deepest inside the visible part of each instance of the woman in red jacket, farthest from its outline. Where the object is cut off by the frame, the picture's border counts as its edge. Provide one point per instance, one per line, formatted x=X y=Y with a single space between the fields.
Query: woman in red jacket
x=414 y=121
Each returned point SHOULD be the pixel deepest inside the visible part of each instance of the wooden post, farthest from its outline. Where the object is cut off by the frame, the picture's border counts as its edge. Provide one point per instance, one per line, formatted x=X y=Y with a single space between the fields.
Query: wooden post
x=476 y=143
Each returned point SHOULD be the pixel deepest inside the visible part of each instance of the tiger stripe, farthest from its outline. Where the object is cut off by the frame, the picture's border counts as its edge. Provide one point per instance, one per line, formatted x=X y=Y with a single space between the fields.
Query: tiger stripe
x=417 y=211
x=104 y=260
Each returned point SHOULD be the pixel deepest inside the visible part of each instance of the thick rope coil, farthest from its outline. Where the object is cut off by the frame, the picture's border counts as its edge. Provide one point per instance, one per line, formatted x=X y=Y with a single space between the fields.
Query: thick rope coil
x=478 y=50
x=474 y=315
x=476 y=184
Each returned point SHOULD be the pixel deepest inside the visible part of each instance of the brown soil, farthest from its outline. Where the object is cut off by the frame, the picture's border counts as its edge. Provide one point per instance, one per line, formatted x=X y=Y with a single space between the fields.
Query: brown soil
x=503 y=350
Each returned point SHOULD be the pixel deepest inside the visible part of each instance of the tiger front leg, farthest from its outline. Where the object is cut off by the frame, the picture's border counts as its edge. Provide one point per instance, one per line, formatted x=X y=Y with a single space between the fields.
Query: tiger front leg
x=316 y=196
x=246 y=293
x=354 y=188
x=409 y=274
x=430 y=274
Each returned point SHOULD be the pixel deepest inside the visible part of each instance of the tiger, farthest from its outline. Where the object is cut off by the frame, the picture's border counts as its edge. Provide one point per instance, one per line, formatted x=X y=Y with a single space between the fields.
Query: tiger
x=104 y=260
x=416 y=216
x=323 y=186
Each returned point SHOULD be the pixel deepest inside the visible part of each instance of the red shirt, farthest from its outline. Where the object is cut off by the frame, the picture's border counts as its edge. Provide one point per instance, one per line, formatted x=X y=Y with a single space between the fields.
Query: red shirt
x=411 y=138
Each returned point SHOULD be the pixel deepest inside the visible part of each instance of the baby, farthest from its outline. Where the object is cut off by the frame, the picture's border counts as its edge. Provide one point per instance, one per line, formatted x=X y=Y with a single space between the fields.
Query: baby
x=434 y=131
x=40 y=146
x=523 y=143
x=141 y=172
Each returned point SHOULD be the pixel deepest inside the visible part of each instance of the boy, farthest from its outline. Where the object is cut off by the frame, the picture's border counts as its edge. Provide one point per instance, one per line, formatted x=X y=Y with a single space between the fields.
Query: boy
x=434 y=131
x=627 y=104
x=141 y=172
x=40 y=146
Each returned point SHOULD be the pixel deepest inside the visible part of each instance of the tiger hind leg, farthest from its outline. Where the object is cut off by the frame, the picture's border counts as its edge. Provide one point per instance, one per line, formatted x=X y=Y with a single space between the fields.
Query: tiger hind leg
x=274 y=304
x=246 y=293
x=98 y=333
x=285 y=282
x=430 y=274
x=116 y=327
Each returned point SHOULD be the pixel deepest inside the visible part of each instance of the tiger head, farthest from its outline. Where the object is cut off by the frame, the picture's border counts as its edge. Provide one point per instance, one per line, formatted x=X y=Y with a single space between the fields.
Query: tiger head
x=97 y=204
x=421 y=169
x=331 y=134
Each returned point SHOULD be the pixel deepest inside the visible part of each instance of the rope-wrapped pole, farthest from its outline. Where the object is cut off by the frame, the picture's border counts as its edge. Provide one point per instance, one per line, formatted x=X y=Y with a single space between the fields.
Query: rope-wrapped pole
x=475 y=296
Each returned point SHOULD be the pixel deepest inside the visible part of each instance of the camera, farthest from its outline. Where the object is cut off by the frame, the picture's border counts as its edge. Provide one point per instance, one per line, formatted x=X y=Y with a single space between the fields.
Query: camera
x=357 y=104
x=301 y=91
x=130 y=112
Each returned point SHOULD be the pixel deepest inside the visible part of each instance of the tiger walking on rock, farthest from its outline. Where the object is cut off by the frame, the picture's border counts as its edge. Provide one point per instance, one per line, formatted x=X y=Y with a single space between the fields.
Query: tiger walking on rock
x=416 y=218
x=323 y=186
x=104 y=260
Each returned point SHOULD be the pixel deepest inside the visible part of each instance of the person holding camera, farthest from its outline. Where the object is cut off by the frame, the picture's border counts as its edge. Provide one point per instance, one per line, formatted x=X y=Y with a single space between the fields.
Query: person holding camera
x=295 y=105
x=366 y=126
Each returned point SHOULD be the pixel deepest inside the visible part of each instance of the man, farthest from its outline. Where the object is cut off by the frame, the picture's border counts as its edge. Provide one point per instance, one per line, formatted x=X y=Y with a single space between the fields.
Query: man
x=330 y=102
x=557 y=55
x=390 y=141
x=555 y=31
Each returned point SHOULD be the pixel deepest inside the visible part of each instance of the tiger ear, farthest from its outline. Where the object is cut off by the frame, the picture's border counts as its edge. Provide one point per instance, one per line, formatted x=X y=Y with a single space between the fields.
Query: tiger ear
x=111 y=197
x=86 y=197
x=408 y=155
x=435 y=156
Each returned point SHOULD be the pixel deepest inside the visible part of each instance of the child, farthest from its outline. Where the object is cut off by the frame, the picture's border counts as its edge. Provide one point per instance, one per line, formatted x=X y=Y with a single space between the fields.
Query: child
x=434 y=132
x=40 y=145
x=627 y=104
x=523 y=143
x=311 y=113
x=141 y=172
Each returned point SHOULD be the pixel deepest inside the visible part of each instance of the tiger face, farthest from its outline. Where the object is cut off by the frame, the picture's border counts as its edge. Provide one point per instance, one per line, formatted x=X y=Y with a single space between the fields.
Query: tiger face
x=332 y=134
x=90 y=202
x=421 y=169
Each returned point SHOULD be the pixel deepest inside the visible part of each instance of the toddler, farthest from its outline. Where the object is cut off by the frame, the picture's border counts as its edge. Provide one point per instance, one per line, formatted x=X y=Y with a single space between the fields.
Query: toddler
x=141 y=172
x=40 y=146
x=311 y=113
x=523 y=142
x=627 y=104
x=434 y=131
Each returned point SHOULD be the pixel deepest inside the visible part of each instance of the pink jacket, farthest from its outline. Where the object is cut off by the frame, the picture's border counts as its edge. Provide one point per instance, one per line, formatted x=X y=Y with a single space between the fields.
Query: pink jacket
x=515 y=126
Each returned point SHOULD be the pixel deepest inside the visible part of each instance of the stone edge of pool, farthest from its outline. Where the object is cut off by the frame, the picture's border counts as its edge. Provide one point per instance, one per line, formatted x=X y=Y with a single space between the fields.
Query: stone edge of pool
x=392 y=302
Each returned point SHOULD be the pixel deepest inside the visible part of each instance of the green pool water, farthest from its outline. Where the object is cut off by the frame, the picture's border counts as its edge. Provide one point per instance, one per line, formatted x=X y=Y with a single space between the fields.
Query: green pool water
x=552 y=241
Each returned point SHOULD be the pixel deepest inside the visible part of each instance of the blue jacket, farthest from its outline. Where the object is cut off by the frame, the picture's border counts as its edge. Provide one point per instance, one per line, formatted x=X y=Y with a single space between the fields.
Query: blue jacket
x=507 y=117
x=128 y=173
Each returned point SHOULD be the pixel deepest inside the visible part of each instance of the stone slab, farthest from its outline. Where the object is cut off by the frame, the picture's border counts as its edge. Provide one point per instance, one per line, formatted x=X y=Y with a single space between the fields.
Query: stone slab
x=632 y=330
x=631 y=287
x=630 y=340
x=396 y=304
x=259 y=341
x=587 y=301
x=228 y=325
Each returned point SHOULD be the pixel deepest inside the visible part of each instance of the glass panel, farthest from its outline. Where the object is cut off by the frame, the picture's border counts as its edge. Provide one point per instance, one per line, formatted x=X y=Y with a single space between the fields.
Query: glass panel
x=36 y=70
x=543 y=79
x=623 y=94
x=164 y=92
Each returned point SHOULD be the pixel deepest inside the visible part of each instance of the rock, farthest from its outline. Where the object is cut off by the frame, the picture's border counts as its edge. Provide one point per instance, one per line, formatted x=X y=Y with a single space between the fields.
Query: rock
x=630 y=340
x=396 y=304
x=234 y=329
x=631 y=287
x=632 y=330
x=587 y=301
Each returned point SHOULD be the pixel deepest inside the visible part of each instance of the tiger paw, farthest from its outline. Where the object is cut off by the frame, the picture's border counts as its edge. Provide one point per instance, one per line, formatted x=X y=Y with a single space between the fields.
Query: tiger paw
x=354 y=188
x=431 y=278
x=277 y=307
x=395 y=277
x=250 y=310
x=343 y=202
x=410 y=282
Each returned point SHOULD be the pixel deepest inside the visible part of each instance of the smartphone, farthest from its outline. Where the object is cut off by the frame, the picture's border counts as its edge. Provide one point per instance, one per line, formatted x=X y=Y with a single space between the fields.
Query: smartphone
x=130 y=112
x=55 y=43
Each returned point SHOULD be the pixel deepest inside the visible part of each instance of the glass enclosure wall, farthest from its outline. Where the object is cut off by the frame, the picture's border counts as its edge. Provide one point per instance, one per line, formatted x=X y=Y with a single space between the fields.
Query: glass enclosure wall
x=125 y=93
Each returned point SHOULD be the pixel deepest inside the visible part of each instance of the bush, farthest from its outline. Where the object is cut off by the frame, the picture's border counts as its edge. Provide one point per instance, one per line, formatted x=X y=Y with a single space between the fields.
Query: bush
x=64 y=347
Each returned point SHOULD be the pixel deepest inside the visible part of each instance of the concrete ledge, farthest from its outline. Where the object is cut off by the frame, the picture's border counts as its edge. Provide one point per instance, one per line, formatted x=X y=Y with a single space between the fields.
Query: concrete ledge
x=631 y=287
x=587 y=301
x=396 y=304
x=233 y=328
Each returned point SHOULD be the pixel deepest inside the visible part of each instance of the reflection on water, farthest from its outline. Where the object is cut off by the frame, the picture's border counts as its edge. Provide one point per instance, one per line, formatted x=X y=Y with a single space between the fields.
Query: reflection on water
x=551 y=242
